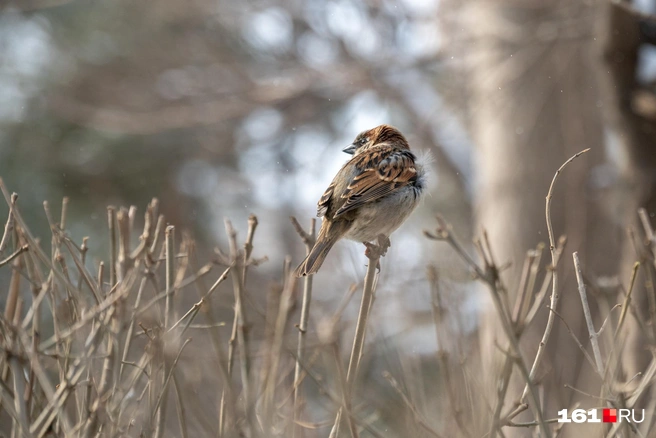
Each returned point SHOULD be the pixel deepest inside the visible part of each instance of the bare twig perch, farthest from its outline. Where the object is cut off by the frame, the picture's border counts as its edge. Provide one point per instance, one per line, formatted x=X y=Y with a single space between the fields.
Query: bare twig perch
x=374 y=253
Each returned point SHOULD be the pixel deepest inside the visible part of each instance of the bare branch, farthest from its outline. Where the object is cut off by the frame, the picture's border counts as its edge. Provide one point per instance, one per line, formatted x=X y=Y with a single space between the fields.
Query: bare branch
x=588 y=316
x=15 y=254
x=554 y=274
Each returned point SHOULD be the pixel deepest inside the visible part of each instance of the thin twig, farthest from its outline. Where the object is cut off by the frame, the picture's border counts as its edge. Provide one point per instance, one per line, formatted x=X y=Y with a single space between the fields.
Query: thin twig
x=544 y=288
x=111 y=221
x=553 y=304
x=180 y=408
x=15 y=254
x=128 y=335
x=203 y=271
x=308 y=239
x=9 y=225
x=123 y=258
x=627 y=299
x=164 y=391
x=587 y=314
x=523 y=297
x=170 y=268
x=418 y=416
x=154 y=249
x=96 y=288
x=531 y=423
x=578 y=343
x=603 y=325
x=502 y=390
x=196 y=307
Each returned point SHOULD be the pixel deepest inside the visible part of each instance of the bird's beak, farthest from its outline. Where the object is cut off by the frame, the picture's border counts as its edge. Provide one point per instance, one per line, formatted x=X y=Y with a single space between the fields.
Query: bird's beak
x=349 y=149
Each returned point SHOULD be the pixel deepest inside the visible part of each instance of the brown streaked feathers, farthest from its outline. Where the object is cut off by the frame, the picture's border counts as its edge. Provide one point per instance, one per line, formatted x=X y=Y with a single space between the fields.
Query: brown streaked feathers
x=372 y=193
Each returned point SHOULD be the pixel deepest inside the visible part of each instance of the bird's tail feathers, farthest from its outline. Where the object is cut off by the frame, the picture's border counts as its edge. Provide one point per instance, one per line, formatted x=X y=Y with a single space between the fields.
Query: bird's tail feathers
x=315 y=259
x=329 y=234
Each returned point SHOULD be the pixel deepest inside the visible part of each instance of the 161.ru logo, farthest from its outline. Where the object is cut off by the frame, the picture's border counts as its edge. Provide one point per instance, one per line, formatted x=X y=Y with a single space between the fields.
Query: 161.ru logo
x=608 y=416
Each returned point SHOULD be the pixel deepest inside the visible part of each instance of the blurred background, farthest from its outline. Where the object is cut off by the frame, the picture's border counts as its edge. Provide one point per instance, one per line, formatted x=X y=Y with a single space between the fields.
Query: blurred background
x=225 y=108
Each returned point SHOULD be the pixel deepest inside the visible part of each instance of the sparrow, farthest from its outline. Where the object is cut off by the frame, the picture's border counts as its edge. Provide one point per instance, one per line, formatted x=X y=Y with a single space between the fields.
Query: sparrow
x=371 y=195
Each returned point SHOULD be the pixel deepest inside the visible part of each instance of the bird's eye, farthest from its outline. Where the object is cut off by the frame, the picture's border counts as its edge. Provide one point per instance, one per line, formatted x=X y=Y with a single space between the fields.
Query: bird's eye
x=363 y=140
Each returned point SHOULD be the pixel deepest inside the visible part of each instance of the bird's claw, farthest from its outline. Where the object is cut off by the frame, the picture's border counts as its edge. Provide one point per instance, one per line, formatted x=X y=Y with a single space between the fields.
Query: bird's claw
x=370 y=249
x=374 y=251
x=384 y=244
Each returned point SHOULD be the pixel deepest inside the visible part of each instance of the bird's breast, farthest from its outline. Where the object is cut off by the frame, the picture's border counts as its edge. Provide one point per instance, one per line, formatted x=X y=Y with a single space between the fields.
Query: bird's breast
x=383 y=216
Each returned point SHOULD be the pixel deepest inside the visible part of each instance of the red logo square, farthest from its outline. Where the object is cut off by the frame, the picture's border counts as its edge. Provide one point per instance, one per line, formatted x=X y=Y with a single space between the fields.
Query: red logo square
x=610 y=415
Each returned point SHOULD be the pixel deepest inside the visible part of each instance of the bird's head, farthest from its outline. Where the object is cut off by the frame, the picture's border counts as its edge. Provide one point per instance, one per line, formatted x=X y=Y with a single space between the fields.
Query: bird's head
x=373 y=137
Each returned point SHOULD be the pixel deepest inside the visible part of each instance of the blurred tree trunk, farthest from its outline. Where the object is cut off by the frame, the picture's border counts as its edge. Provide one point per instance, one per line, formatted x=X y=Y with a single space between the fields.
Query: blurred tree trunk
x=629 y=113
x=534 y=104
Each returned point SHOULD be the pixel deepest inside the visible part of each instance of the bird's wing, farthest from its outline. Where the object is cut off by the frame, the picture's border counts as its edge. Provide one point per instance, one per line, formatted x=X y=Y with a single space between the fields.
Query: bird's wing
x=379 y=171
x=324 y=202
